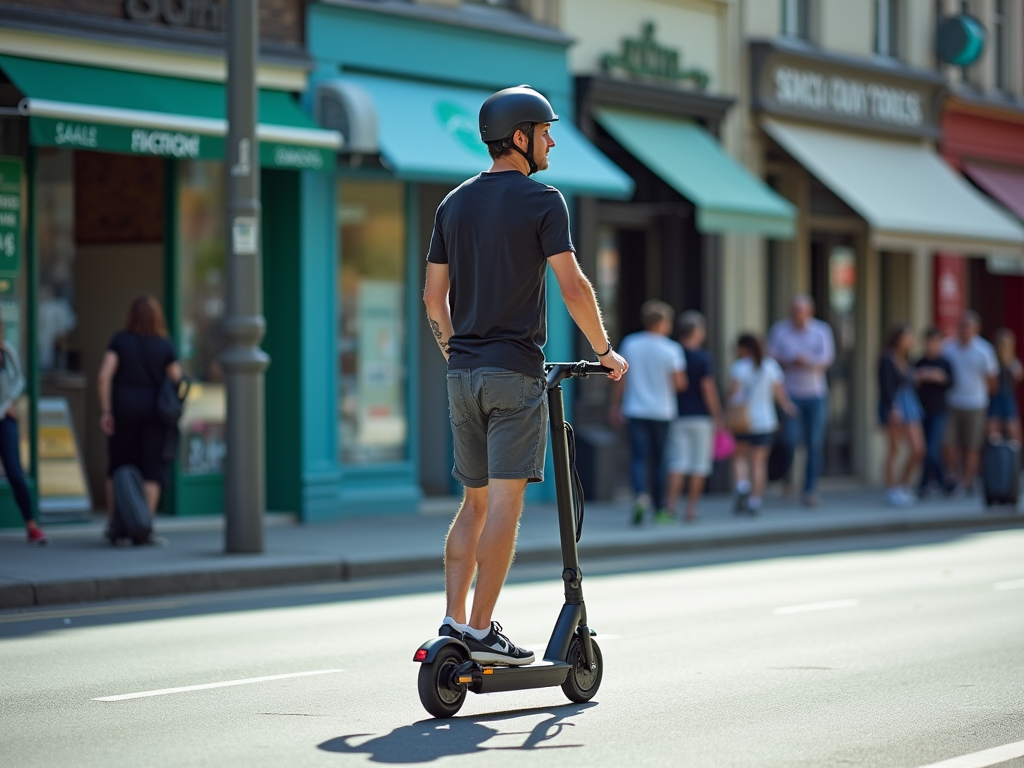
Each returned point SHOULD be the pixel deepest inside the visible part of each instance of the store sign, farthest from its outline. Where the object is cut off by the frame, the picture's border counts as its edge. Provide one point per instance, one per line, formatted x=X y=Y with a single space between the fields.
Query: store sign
x=180 y=145
x=11 y=208
x=950 y=291
x=195 y=14
x=643 y=58
x=823 y=89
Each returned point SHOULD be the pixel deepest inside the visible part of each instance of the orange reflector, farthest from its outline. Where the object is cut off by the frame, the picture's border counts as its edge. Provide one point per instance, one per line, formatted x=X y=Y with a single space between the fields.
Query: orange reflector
x=421 y=655
x=466 y=679
x=489 y=671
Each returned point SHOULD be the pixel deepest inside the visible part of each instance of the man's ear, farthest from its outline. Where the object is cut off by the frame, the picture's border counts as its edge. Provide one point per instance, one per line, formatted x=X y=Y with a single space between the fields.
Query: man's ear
x=521 y=140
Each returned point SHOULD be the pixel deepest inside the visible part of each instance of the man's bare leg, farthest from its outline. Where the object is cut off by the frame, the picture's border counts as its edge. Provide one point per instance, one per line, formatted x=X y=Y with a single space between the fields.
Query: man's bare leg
x=497 y=545
x=460 y=551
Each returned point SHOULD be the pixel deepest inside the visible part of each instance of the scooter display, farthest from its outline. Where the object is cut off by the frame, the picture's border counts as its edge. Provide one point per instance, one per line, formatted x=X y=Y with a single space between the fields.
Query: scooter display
x=572 y=658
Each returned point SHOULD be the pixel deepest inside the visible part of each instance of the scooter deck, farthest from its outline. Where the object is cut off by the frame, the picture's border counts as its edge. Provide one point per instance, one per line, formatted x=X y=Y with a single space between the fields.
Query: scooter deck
x=493 y=679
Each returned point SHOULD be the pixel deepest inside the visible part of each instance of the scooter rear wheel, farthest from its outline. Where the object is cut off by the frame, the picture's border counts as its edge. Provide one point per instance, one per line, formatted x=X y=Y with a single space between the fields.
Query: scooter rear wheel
x=438 y=697
x=582 y=682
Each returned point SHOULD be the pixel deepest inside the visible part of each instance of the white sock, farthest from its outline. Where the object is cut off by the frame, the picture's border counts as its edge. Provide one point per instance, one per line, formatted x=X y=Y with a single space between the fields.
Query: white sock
x=479 y=634
x=743 y=486
x=453 y=623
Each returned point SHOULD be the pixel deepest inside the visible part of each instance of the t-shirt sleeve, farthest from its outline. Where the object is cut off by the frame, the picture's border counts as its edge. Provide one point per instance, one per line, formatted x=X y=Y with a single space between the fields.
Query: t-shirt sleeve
x=678 y=358
x=991 y=363
x=437 y=253
x=553 y=229
x=116 y=344
x=774 y=371
x=709 y=365
x=172 y=353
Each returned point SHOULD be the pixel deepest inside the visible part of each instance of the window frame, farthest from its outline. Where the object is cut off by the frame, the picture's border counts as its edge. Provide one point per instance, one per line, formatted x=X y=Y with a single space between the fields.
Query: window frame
x=798 y=19
x=888 y=28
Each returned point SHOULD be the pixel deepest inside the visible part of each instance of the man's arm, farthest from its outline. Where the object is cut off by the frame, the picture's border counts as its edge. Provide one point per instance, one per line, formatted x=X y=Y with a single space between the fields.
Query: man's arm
x=578 y=294
x=827 y=356
x=709 y=389
x=439 y=313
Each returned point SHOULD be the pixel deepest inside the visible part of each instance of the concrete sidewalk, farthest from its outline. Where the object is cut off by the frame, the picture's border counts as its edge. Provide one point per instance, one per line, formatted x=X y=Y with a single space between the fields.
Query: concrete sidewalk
x=79 y=565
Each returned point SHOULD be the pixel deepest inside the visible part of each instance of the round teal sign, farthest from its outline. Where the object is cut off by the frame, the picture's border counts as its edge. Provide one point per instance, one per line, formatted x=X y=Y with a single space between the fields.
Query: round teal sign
x=461 y=125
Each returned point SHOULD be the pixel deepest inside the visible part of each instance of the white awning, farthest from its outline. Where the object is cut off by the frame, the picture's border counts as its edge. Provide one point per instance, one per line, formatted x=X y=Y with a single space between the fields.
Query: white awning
x=909 y=196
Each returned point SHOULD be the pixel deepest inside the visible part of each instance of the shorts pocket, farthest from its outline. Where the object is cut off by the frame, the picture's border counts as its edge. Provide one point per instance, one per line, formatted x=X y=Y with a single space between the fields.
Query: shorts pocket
x=503 y=392
x=458 y=408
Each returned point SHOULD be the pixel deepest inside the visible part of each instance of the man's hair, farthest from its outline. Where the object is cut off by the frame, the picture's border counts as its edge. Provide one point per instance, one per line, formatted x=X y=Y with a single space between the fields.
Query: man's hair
x=805 y=299
x=933 y=332
x=689 y=322
x=654 y=312
x=972 y=317
x=502 y=147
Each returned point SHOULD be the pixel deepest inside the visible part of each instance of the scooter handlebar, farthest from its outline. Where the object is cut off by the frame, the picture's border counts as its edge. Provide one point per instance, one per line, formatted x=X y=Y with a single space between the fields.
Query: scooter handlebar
x=557 y=372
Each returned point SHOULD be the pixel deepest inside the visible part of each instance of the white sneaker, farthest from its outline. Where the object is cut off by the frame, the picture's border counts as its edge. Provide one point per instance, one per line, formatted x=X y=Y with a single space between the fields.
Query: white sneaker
x=898 y=497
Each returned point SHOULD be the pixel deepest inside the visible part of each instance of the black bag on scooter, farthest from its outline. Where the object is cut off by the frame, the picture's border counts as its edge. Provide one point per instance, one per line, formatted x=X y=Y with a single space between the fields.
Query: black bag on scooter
x=132 y=519
x=1000 y=471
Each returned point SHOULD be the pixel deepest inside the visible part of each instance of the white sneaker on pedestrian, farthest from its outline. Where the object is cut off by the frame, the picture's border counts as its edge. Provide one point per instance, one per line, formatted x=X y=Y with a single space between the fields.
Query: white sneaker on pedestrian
x=897 y=497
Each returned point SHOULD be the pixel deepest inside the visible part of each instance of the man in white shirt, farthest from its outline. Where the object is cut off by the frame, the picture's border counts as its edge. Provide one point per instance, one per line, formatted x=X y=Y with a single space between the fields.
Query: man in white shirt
x=805 y=348
x=975 y=369
x=645 y=400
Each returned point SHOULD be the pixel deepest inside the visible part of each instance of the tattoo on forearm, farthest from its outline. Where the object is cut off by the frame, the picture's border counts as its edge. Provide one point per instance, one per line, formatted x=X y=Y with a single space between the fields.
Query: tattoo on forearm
x=436 y=328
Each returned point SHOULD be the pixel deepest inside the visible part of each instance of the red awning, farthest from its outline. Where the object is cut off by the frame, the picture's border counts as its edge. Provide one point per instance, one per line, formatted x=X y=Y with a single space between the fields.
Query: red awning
x=1005 y=185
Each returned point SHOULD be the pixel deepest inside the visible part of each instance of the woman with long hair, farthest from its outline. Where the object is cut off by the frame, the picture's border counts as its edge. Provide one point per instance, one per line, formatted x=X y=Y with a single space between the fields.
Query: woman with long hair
x=12 y=385
x=133 y=368
x=1003 y=416
x=899 y=414
x=756 y=385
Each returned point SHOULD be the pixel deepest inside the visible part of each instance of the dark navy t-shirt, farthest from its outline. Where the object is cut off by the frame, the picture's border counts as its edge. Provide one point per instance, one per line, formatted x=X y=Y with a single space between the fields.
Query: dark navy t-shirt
x=691 y=400
x=496 y=232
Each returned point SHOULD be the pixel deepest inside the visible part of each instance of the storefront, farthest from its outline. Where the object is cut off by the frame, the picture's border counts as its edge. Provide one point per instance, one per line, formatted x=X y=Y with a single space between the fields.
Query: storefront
x=984 y=140
x=119 y=139
x=654 y=89
x=403 y=83
x=851 y=143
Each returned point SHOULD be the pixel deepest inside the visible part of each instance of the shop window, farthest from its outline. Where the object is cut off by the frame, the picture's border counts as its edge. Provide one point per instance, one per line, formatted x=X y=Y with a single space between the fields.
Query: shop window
x=372 y=343
x=201 y=265
x=797 y=18
x=13 y=306
x=887 y=28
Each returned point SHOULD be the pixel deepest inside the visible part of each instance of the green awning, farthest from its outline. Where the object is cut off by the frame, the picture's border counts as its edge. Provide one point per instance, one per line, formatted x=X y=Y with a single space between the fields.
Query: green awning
x=729 y=199
x=430 y=133
x=117 y=111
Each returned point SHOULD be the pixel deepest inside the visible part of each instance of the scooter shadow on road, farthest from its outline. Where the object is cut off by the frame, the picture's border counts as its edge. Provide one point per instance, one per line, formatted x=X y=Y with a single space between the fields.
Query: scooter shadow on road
x=430 y=740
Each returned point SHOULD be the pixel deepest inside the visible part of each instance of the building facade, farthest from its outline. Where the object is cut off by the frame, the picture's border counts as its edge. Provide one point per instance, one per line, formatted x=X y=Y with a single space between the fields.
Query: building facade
x=846 y=120
x=112 y=137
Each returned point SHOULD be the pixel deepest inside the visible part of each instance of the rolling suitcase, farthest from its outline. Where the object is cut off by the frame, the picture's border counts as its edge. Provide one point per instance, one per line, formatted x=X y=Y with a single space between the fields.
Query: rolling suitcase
x=1000 y=471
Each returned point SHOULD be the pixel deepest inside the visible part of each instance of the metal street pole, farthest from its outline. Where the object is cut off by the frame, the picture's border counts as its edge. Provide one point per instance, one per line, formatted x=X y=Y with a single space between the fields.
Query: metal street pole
x=244 y=362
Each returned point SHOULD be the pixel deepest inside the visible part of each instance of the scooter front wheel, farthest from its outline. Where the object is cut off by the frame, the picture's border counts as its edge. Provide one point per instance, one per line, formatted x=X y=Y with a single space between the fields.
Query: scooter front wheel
x=438 y=696
x=582 y=682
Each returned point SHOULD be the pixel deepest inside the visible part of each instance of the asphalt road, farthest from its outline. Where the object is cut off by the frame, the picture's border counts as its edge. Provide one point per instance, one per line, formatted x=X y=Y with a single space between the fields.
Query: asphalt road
x=894 y=651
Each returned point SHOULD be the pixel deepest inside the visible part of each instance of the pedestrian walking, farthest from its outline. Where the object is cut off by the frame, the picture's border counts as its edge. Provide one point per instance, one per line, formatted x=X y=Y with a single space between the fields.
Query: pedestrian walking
x=975 y=372
x=494 y=237
x=692 y=435
x=934 y=377
x=1003 y=416
x=756 y=384
x=131 y=374
x=645 y=401
x=12 y=386
x=899 y=414
x=805 y=349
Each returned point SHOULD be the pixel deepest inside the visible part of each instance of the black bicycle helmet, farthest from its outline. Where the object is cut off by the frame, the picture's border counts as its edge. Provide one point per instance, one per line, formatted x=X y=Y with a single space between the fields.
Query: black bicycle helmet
x=506 y=109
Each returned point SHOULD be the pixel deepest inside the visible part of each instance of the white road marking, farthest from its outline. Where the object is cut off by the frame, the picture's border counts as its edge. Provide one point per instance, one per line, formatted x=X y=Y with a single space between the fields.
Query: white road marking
x=828 y=605
x=984 y=758
x=1001 y=586
x=207 y=686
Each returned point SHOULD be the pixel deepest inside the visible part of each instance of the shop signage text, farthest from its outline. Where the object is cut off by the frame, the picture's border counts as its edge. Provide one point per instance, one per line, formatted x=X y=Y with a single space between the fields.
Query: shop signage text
x=831 y=89
x=196 y=14
x=10 y=215
x=849 y=97
x=165 y=143
x=298 y=157
x=644 y=58
x=75 y=135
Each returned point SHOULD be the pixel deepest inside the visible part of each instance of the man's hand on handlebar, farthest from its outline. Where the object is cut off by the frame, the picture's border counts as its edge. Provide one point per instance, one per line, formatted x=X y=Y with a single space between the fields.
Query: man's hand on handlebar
x=616 y=362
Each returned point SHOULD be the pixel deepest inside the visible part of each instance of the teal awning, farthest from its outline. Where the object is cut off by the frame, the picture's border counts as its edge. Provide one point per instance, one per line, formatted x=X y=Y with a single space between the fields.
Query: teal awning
x=112 y=110
x=729 y=199
x=430 y=133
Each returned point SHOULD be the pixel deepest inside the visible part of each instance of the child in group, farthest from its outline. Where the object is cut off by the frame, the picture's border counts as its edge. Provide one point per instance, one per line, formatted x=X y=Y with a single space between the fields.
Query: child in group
x=934 y=376
x=1003 y=416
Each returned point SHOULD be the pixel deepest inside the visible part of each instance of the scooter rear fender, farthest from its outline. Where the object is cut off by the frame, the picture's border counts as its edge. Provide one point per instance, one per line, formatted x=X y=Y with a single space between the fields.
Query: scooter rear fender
x=432 y=647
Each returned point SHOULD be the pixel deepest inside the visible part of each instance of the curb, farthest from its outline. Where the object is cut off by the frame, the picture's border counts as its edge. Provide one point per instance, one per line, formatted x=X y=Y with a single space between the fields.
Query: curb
x=16 y=594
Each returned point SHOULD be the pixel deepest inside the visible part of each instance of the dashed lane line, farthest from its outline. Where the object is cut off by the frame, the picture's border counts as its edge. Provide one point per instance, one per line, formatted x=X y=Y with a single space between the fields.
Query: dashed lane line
x=208 y=686
x=1002 y=586
x=983 y=759
x=827 y=605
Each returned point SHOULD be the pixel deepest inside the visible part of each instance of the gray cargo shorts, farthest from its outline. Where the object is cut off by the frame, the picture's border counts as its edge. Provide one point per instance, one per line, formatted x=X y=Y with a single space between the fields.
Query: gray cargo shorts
x=500 y=425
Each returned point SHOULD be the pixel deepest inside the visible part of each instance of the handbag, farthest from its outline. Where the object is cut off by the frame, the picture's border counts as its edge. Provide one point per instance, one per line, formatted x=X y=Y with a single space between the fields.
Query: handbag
x=170 y=400
x=724 y=446
x=737 y=419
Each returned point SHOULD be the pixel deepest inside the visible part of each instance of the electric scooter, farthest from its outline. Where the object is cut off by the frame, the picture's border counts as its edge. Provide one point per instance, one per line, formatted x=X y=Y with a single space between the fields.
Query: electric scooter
x=572 y=658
